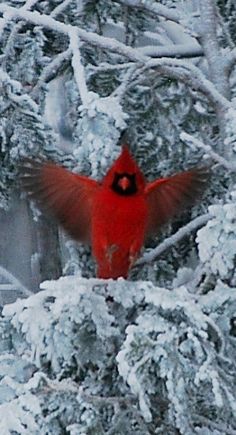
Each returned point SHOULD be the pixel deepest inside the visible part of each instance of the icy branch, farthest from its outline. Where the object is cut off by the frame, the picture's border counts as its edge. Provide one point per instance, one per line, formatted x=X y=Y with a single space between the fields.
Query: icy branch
x=175 y=238
x=189 y=139
x=78 y=67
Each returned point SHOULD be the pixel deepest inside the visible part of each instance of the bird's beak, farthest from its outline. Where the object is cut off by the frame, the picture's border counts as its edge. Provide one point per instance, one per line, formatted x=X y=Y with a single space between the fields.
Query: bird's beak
x=124 y=183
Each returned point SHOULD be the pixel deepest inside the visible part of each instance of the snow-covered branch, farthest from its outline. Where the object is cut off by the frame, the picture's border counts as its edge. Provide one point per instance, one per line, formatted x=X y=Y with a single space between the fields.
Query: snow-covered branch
x=192 y=75
x=57 y=26
x=78 y=67
x=29 y=4
x=197 y=143
x=153 y=8
x=60 y=8
x=174 y=50
x=175 y=238
x=176 y=68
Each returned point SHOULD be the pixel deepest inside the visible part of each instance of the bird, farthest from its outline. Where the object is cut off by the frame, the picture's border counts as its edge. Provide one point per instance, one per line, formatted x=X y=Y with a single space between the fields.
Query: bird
x=115 y=215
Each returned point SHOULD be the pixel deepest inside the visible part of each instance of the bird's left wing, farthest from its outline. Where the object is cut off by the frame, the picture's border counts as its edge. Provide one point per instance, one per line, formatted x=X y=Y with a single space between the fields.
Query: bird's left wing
x=68 y=196
x=168 y=196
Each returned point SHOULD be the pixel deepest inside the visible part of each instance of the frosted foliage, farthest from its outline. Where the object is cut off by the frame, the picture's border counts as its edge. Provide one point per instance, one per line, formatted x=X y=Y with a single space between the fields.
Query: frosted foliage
x=93 y=356
x=98 y=129
x=179 y=342
x=217 y=242
x=54 y=337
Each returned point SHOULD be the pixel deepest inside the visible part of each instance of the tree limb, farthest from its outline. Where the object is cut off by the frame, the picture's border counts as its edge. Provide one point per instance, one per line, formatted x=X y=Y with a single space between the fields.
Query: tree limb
x=173 y=50
x=79 y=72
x=191 y=227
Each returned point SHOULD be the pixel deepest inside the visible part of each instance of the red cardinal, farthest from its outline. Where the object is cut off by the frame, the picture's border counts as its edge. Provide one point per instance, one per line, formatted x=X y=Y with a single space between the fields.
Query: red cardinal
x=117 y=214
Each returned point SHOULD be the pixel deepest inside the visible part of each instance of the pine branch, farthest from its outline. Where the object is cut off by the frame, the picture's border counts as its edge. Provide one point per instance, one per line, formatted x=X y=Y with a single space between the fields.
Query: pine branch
x=65 y=386
x=95 y=39
x=153 y=8
x=175 y=238
x=119 y=404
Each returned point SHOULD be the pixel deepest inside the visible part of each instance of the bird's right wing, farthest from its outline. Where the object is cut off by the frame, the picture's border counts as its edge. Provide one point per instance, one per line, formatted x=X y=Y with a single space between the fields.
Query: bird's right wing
x=68 y=196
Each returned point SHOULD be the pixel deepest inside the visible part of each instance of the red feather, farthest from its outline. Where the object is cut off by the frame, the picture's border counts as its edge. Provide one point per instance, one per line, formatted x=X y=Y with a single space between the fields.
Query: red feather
x=115 y=215
x=168 y=196
x=69 y=197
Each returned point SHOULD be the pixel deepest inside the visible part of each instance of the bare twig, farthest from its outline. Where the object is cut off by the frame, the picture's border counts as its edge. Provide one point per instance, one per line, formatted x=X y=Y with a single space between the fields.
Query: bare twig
x=14 y=282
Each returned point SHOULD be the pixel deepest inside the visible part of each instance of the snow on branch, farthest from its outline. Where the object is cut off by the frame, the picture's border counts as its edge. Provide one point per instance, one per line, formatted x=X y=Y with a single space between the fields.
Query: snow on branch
x=50 y=71
x=173 y=50
x=175 y=238
x=60 y=8
x=29 y=4
x=98 y=40
x=182 y=70
x=197 y=143
x=57 y=26
x=78 y=67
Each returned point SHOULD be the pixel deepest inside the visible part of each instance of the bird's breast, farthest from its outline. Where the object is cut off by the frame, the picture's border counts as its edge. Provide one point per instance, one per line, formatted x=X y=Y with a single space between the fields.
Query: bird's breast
x=119 y=217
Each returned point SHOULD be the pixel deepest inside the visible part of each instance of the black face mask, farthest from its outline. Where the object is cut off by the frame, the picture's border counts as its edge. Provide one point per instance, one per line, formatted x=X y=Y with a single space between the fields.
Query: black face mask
x=132 y=187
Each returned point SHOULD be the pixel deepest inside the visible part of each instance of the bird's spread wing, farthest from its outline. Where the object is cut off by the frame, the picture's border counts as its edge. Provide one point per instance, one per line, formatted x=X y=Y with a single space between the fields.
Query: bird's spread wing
x=168 y=196
x=67 y=196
